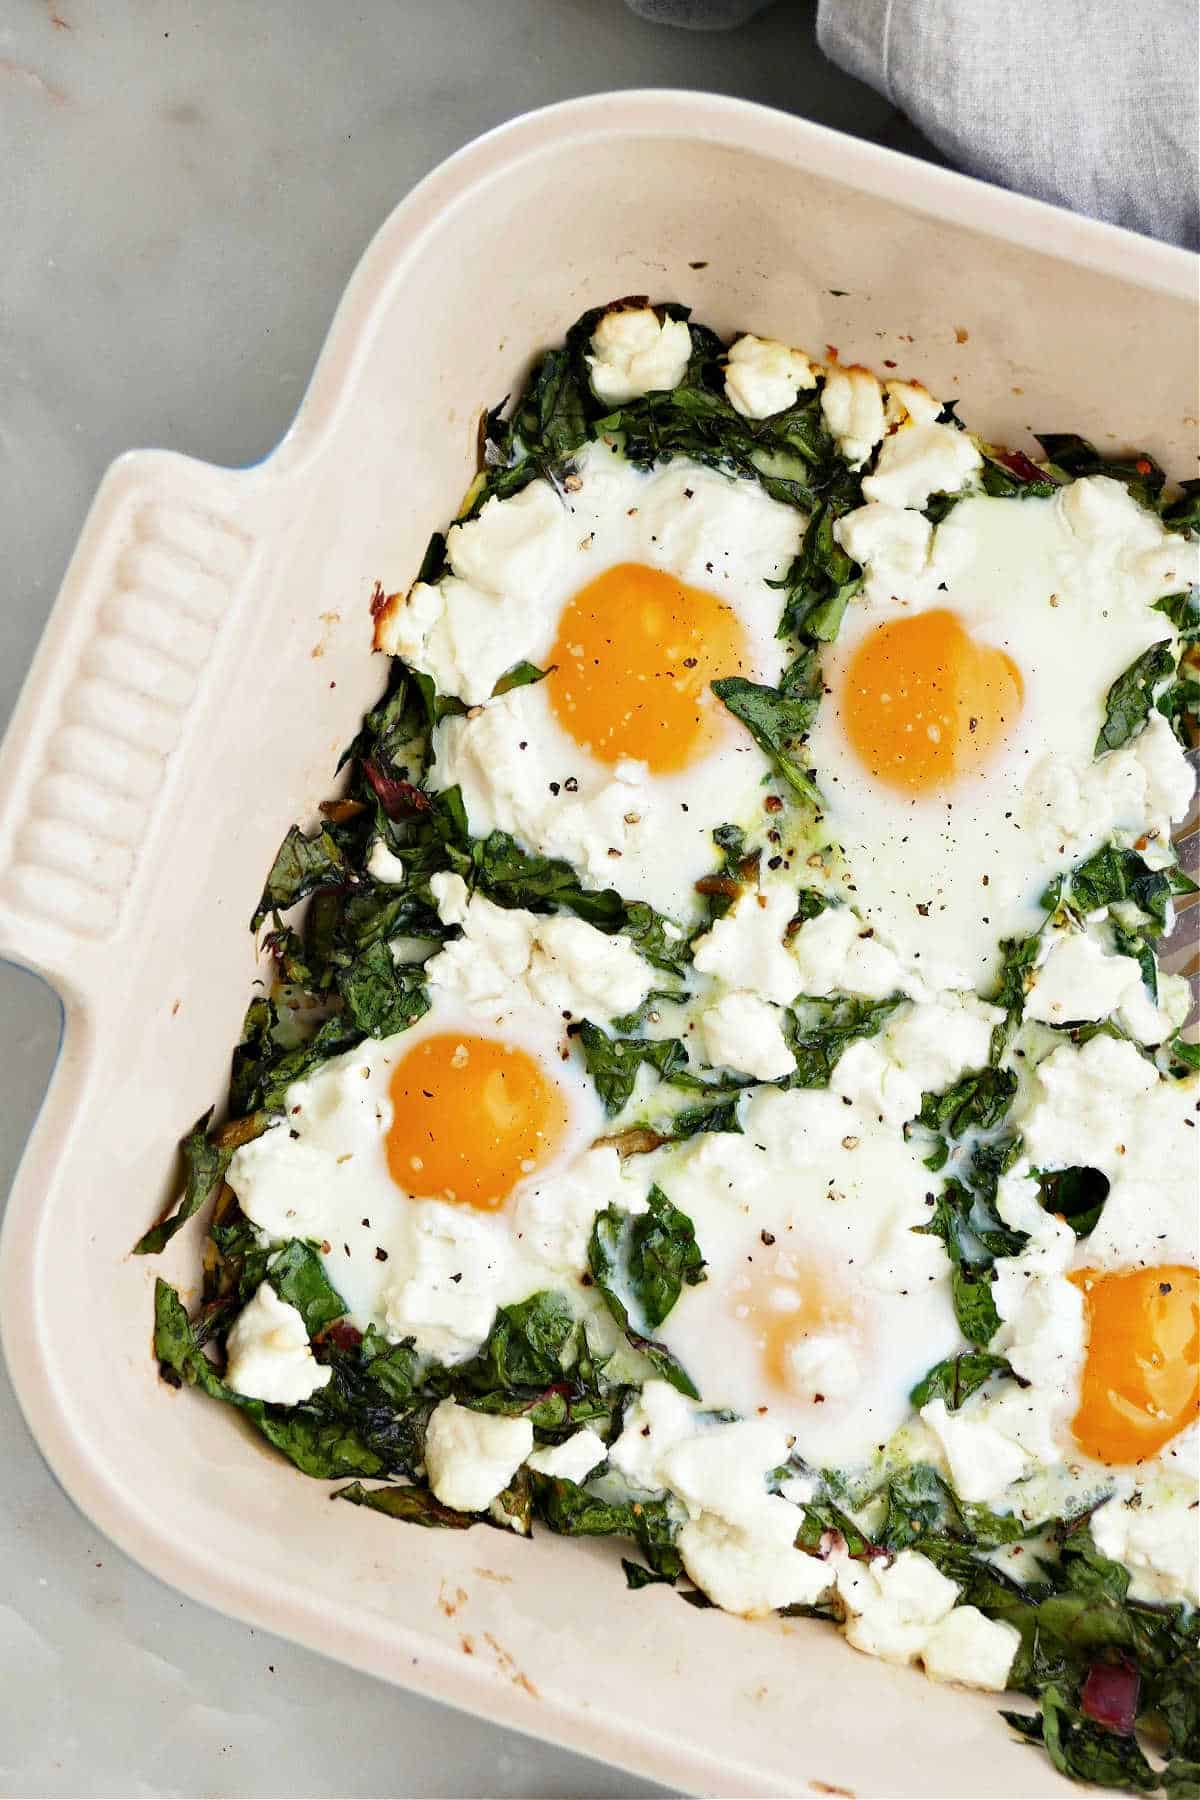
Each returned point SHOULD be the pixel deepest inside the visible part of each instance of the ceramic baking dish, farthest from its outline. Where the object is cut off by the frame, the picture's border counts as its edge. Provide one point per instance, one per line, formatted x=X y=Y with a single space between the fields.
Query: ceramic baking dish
x=206 y=661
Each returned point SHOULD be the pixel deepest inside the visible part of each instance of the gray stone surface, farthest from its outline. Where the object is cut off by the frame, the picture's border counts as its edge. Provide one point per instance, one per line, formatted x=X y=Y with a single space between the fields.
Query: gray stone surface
x=185 y=186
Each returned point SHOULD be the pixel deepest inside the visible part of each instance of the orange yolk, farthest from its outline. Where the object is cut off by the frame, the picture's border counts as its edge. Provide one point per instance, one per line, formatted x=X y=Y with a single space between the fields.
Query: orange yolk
x=1140 y=1382
x=924 y=704
x=472 y=1116
x=782 y=1312
x=635 y=653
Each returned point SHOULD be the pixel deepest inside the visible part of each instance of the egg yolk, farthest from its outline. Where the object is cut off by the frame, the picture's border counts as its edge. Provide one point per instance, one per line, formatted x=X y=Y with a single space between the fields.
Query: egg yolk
x=635 y=653
x=471 y=1117
x=786 y=1310
x=1141 y=1384
x=924 y=704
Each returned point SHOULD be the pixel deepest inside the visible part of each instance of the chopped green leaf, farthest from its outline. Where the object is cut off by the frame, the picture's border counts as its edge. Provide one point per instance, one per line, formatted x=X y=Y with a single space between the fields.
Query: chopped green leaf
x=205 y=1165
x=817 y=1031
x=1132 y=695
x=1076 y=1195
x=525 y=1347
x=977 y=1101
x=415 y=1505
x=613 y=1063
x=380 y=997
x=777 y=721
x=609 y=1258
x=662 y=1255
x=298 y=1276
x=1075 y=456
x=974 y=1305
x=301 y=866
x=958 y=1377
x=522 y=674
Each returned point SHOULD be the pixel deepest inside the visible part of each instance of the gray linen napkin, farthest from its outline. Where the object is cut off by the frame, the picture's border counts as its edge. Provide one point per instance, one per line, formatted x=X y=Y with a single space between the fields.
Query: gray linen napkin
x=1091 y=104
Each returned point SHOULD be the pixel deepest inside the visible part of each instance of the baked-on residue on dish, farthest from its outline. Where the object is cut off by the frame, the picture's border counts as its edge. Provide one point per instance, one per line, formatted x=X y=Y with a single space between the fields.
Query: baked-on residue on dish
x=721 y=1092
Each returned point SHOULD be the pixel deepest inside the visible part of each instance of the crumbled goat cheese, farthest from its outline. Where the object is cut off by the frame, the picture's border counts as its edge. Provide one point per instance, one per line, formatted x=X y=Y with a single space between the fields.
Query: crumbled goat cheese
x=1156 y=1539
x=510 y=957
x=470 y=1457
x=968 y=1647
x=746 y=947
x=982 y=1462
x=852 y=402
x=908 y=403
x=920 y=461
x=270 y=1357
x=1140 y=789
x=836 y=953
x=742 y=1032
x=384 y=865
x=503 y=563
x=444 y=1296
x=1079 y=979
x=763 y=376
x=635 y=353
x=892 y=1606
x=573 y=1460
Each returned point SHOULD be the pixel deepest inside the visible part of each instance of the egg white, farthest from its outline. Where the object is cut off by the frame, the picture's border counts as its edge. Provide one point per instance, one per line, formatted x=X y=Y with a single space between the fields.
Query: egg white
x=649 y=835
x=819 y=1187
x=322 y=1173
x=945 y=875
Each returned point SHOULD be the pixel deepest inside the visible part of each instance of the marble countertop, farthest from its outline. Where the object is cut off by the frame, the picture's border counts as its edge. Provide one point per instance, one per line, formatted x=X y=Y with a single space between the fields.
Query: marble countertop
x=186 y=187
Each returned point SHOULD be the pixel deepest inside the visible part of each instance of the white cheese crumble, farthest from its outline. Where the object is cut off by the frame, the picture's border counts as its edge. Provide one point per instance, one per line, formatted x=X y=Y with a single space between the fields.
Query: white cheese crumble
x=836 y=952
x=1112 y=531
x=1155 y=1536
x=1141 y=789
x=1080 y=980
x=1101 y=1105
x=270 y=1357
x=504 y=786
x=922 y=1049
x=470 y=1457
x=746 y=947
x=462 y=630
x=635 y=353
x=968 y=1647
x=892 y=544
x=740 y=1031
x=384 y=865
x=444 y=1292
x=904 y=1611
x=510 y=957
x=920 y=461
x=852 y=402
x=909 y=403
x=763 y=376
x=572 y=1460
x=659 y=1418
x=753 y=1567
x=513 y=546
x=981 y=1460
x=892 y=1606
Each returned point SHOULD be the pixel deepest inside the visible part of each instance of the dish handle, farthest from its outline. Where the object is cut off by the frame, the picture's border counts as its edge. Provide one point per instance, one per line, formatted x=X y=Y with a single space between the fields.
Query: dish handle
x=108 y=706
